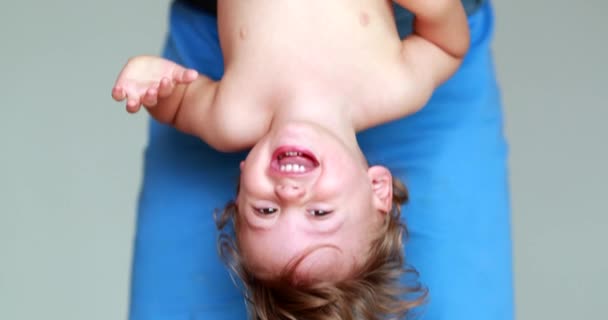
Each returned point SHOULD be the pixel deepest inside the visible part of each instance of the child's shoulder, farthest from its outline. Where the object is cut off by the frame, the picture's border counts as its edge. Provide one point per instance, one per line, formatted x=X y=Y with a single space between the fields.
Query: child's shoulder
x=238 y=120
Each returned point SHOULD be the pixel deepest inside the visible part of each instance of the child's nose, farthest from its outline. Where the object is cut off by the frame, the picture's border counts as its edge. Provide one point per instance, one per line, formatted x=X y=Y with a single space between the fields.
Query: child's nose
x=289 y=192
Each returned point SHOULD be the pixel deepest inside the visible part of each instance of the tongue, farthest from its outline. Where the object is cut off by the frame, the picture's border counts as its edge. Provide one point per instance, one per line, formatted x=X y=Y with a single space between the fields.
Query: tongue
x=299 y=160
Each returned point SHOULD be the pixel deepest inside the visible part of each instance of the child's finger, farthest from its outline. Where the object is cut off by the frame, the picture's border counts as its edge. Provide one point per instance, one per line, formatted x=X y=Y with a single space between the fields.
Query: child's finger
x=118 y=93
x=189 y=75
x=150 y=98
x=165 y=88
x=133 y=101
x=133 y=106
x=182 y=75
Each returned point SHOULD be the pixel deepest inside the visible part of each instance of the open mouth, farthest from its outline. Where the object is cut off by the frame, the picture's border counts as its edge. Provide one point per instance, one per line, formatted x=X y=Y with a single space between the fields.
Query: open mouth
x=293 y=160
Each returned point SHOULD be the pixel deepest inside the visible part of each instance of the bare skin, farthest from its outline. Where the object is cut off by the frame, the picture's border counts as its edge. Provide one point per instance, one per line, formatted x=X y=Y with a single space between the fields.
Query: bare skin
x=305 y=75
x=345 y=53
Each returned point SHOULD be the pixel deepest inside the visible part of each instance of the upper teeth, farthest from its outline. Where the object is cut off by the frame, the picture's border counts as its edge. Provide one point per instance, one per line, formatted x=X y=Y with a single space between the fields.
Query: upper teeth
x=292 y=168
x=290 y=154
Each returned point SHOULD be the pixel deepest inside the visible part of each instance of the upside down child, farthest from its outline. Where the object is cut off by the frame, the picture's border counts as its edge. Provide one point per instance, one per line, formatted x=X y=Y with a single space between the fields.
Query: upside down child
x=313 y=222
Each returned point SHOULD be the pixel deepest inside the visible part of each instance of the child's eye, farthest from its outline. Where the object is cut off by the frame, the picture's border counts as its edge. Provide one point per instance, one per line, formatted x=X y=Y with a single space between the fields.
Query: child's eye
x=319 y=213
x=266 y=211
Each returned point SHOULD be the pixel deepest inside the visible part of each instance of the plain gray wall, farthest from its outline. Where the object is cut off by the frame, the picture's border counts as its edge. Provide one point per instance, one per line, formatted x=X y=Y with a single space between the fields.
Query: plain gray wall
x=552 y=63
x=70 y=163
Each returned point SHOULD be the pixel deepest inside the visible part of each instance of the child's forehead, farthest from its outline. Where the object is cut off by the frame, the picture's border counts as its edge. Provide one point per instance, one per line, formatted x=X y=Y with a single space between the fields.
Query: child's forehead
x=323 y=264
x=332 y=258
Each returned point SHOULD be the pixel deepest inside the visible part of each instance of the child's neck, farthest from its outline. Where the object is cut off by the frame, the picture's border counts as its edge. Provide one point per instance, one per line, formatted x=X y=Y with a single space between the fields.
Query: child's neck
x=334 y=115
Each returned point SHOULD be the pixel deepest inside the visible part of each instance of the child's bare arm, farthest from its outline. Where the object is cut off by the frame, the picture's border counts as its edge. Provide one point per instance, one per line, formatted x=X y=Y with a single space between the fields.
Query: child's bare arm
x=172 y=95
x=440 y=39
x=428 y=57
x=442 y=22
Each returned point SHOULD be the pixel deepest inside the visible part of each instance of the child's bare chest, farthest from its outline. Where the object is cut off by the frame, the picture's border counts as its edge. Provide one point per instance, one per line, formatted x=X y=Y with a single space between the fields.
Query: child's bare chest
x=347 y=47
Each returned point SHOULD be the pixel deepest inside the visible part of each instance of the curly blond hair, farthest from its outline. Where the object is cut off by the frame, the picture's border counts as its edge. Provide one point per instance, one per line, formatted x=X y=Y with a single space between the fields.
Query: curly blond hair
x=374 y=292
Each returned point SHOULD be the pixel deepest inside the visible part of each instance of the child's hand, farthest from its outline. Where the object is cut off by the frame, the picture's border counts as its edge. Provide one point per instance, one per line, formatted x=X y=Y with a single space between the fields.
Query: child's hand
x=146 y=79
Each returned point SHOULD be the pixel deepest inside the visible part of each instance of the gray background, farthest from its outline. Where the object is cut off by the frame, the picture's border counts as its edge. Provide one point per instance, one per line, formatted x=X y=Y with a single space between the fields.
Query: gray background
x=70 y=163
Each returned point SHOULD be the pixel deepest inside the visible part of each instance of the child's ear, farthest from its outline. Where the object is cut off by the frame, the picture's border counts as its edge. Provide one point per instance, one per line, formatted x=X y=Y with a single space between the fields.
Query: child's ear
x=242 y=165
x=382 y=187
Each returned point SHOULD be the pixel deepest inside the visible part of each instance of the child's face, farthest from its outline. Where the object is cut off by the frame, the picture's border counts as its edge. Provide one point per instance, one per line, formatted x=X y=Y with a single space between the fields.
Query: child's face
x=304 y=192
